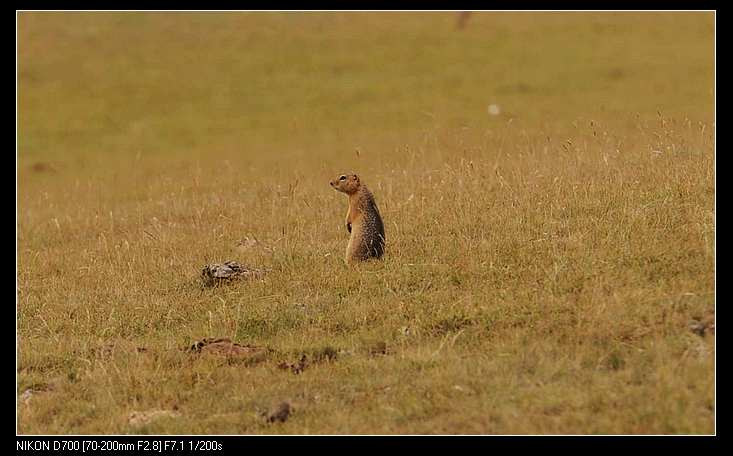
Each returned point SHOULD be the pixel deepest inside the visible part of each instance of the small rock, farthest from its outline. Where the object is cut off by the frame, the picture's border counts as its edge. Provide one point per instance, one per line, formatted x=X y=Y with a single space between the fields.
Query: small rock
x=25 y=396
x=224 y=346
x=218 y=273
x=702 y=326
x=296 y=367
x=279 y=413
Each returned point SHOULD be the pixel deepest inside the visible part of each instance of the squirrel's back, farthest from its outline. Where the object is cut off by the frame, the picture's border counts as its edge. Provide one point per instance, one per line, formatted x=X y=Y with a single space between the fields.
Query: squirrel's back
x=372 y=226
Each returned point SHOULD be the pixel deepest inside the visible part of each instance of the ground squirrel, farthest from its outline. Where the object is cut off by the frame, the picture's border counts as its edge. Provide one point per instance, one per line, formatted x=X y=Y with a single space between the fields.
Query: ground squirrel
x=362 y=220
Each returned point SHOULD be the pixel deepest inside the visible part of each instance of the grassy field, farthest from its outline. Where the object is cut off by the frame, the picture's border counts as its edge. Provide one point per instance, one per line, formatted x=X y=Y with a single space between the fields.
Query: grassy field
x=549 y=267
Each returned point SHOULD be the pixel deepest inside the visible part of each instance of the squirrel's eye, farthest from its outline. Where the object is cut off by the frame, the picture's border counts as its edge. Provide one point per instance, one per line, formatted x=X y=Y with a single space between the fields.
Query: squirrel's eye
x=342 y=178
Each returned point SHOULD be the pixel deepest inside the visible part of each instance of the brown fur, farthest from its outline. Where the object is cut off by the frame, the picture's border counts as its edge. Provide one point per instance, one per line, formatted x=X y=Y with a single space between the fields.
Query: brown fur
x=363 y=220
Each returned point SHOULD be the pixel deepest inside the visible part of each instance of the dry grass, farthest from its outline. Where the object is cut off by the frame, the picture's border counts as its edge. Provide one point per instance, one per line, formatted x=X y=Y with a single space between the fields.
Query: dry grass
x=543 y=265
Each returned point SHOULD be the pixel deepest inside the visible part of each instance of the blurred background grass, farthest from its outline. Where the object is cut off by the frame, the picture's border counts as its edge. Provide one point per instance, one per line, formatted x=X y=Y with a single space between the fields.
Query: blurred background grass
x=291 y=85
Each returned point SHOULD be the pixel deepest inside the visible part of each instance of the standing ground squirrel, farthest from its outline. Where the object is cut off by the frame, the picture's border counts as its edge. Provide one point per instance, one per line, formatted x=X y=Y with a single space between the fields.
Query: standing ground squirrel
x=362 y=220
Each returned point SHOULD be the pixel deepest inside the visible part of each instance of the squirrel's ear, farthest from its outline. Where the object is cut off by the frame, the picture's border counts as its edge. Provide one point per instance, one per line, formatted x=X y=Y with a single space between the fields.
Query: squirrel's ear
x=355 y=177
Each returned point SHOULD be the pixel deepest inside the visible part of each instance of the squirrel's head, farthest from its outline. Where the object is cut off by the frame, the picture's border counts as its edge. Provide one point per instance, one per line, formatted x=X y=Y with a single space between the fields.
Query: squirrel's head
x=347 y=183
